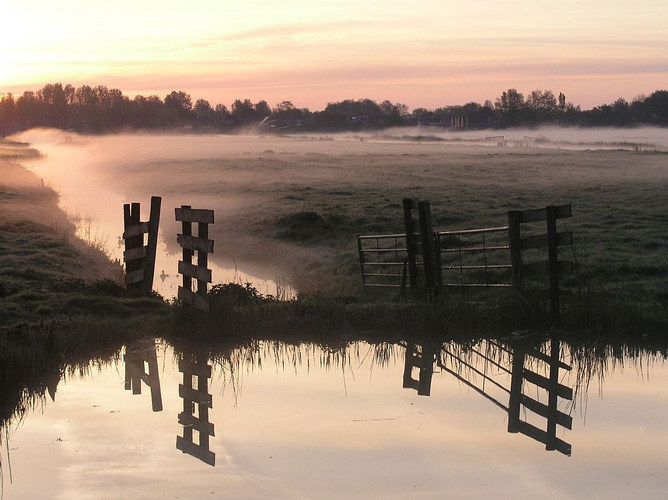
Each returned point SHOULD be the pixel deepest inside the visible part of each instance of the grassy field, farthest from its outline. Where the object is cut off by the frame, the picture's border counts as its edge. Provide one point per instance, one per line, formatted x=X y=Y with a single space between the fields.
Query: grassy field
x=296 y=204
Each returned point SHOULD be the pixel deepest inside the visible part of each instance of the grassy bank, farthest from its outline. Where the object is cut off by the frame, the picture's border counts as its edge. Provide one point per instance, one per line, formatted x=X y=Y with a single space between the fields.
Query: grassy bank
x=59 y=298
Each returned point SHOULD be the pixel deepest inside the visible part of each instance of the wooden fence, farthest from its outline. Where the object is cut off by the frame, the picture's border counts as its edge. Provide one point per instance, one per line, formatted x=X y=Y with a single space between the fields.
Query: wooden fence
x=196 y=404
x=486 y=258
x=551 y=240
x=523 y=381
x=139 y=257
x=191 y=244
x=526 y=387
x=141 y=366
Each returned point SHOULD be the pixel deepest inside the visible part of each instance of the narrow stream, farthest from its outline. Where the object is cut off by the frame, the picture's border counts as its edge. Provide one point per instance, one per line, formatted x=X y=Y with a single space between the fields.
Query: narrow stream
x=75 y=169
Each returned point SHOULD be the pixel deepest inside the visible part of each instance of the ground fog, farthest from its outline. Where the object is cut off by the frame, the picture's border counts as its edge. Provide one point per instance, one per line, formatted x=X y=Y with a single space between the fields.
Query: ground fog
x=261 y=186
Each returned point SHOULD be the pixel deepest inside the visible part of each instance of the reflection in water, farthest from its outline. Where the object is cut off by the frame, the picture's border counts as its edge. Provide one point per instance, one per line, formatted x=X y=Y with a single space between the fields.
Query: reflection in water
x=482 y=367
x=196 y=404
x=300 y=416
x=141 y=365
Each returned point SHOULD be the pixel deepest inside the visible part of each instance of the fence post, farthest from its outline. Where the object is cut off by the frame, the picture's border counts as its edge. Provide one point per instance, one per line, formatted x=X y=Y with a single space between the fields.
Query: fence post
x=151 y=245
x=553 y=263
x=186 y=230
x=427 y=240
x=361 y=256
x=516 y=381
x=409 y=205
x=131 y=218
x=515 y=243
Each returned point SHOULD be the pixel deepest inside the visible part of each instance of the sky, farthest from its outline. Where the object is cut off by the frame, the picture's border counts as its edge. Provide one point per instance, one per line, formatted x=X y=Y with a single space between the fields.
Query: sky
x=428 y=54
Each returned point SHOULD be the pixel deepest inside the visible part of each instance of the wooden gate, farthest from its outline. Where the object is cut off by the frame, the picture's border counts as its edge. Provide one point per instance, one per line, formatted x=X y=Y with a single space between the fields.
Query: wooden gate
x=191 y=244
x=523 y=381
x=139 y=257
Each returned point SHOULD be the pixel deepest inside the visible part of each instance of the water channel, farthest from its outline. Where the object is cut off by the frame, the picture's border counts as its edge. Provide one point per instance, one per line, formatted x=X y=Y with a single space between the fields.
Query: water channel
x=501 y=418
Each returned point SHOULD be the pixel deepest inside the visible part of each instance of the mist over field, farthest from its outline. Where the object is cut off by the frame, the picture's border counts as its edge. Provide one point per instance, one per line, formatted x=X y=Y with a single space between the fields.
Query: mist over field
x=354 y=183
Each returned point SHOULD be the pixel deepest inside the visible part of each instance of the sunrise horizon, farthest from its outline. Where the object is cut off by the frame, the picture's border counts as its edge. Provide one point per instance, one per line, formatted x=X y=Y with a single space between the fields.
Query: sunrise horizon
x=427 y=57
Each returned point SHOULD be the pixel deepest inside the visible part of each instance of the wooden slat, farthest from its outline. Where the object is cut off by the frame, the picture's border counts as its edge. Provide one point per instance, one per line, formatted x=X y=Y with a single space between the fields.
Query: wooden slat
x=134 y=253
x=206 y=456
x=199 y=425
x=193 y=299
x=195 y=243
x=551 y=443
x=543 y=410
x=190 y=394
x=134 y=277
x=473 y=231
x=540 y=381
x=540 y=214
x=186 y=214
x=199 y=273
x=196 y=370
x=544 y=357
x=540 y=240
x=136 y=230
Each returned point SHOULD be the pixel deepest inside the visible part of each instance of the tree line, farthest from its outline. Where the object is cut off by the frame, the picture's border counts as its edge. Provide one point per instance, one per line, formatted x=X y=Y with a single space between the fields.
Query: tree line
x=100 y=109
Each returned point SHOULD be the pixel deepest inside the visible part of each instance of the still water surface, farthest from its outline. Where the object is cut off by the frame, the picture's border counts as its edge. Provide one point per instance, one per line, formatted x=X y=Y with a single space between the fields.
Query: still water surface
x=301 y=421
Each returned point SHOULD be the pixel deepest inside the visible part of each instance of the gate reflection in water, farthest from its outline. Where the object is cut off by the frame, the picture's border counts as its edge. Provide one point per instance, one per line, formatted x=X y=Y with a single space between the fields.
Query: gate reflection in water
x=481 y=367
x=294 y=419
x=502 y=373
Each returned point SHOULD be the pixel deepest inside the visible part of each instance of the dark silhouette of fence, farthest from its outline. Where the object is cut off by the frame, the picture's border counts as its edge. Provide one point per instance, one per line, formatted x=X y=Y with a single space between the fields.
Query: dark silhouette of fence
x=196 y=404
x=521 y=380
x=474 y=258
x=139 y=257
x=141 y=366
x=191 y=244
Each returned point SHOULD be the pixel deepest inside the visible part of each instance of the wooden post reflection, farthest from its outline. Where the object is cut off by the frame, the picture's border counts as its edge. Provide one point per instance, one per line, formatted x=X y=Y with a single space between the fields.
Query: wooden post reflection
x=422 y=357
x=550 y=385
x=196 y=400
x=141 y=365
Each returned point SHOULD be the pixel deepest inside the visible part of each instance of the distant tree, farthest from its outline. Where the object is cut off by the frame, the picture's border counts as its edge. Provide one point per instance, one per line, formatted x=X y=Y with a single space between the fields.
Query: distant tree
x=204 y=113
x=243 y=112
x=262 y=109
x=422 y=116
x=285 y=110
x=393 y=114
x=351 y=114
x=509 y=101
x=541 y=106
x=147 y=112
x=30 y=110
x=657 y=106
x=178 y=107
x=510 y=107
x=7 y=114
x=221 y=114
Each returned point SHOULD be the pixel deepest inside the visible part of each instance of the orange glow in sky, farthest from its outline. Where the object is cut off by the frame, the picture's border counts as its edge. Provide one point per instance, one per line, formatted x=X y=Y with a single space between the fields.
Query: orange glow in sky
x=426 y=54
